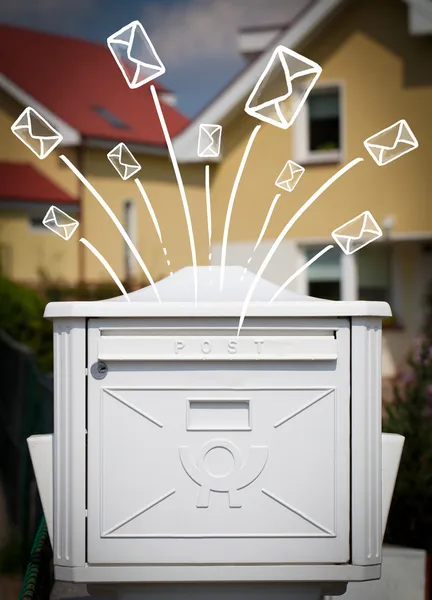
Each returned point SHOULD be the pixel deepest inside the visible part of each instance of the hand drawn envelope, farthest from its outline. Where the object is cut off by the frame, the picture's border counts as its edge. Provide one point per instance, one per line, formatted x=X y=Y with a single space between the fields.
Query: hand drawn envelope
x=36 y=133
x=60 y=223
x=391 y=143
x=284 y=68
x=123 y=161
x=357 y=233
x=135 y=55
x=209 y=140
x=289 y=176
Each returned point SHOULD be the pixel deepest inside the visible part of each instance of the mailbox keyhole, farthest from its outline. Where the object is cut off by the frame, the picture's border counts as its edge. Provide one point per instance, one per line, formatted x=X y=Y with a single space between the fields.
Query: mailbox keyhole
x=99 y=370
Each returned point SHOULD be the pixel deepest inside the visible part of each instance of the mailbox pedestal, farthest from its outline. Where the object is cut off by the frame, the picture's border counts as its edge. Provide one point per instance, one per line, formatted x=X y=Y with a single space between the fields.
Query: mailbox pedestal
x=184 y=455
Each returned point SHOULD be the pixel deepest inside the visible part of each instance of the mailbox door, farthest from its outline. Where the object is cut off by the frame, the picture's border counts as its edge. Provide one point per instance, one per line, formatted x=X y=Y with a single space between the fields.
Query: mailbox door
x=241 y=457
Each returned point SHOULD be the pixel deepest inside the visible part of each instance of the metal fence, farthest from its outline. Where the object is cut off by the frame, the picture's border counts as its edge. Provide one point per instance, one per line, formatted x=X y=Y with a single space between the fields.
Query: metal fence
x=26 y=408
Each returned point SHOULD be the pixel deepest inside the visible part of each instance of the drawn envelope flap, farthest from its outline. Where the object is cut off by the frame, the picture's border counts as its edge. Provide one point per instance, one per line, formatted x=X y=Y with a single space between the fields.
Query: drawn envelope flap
x=123 y=36
x=62 y=219
x=390 y=137
x=140 y=50
x=211 y=130
x=295 y=168
x=353 y=229
x=126 y=158
x=23 y=121
x=370 y=226
x=273 y=86
x=38 y=129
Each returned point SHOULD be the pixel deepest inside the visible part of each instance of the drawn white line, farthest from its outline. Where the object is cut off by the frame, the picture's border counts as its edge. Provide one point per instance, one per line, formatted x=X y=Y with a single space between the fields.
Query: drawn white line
x=107 y=266
x=152 y=215
x=149 y=208
x=114 y=219
x=302 y=268
x=231 y=201
x=285 y=230
x=180 y=185
x=263 y=230
x=267 y=220
x=208 y=206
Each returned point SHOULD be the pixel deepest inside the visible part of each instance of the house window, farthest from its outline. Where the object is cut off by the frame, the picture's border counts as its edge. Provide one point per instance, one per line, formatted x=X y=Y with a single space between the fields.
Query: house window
x=110 y=117
x=36 y=223
x=130 y=225
x=324 y=120
x=374 y=267
x=324 y=275
x=318 y=129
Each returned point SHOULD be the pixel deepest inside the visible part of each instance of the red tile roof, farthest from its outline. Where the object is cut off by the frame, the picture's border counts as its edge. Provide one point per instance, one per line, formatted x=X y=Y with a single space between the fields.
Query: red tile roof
x=23 y=182
x=70 y=77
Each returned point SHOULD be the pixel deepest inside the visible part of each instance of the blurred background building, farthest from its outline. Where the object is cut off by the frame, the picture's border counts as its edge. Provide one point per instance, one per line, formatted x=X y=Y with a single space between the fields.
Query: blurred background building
x=376 y=58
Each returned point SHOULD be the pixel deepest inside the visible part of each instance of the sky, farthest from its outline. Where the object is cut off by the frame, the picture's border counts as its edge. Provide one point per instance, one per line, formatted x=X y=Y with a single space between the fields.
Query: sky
x=195 y=39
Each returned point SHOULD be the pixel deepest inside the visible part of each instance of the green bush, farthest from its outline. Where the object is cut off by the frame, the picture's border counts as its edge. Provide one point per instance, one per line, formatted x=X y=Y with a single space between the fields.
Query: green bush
x=22 y=308
x=410 y=415
x=21 y=317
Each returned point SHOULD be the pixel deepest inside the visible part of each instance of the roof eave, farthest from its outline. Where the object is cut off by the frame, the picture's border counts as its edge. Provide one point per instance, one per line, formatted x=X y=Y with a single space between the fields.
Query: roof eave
x=26 y=205
x=71 y=137
x=134 y=147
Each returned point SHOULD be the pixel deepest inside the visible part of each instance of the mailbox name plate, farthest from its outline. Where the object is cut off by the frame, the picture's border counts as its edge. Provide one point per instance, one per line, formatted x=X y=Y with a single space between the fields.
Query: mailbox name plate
x=217 y=348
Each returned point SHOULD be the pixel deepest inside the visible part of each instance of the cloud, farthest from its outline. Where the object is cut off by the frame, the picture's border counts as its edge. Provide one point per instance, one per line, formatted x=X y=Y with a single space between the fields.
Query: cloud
x=191 y=31
x=197 y=41
x=50 y=13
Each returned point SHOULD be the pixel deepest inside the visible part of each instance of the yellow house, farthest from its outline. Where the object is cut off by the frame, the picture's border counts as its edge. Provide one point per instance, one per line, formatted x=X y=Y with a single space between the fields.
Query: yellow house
x=375 y=58
x=77 y=87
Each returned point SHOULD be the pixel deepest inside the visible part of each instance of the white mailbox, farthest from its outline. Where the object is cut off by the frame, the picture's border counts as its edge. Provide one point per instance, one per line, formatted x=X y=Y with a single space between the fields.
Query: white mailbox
x=183 y=453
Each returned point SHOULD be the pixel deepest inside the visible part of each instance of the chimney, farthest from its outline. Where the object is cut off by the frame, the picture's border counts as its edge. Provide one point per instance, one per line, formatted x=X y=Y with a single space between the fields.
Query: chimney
x=253 y=41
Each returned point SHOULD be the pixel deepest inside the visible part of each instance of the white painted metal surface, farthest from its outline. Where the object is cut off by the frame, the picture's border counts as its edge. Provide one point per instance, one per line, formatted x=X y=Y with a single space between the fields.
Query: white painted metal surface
x=183 y=453
x=41 y=454
x=177 y=295
x=403 y=578
x=219 y=460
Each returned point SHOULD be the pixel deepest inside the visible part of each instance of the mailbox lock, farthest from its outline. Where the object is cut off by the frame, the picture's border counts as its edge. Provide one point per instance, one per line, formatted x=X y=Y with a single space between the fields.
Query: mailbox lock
x=99 y=370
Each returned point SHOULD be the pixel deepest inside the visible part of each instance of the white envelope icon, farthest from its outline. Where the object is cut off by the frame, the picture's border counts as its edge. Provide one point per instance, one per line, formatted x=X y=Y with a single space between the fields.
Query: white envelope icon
x=123 y=161
x=209 y=140
x=60 y=223
x=391 y=143
x=288 y=67
x=289 y=176
x=135 y=55
x=36 y=133
x=357 y=233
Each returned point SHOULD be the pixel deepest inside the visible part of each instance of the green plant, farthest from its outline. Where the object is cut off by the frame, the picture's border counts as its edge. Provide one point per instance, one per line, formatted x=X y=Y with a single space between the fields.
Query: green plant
x=22 y=308
x=21 y=317
x=327 y=146
x=410 y=414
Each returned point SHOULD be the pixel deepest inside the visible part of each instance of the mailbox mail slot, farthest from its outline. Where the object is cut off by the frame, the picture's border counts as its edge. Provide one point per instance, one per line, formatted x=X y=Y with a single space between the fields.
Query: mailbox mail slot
x=194 y=347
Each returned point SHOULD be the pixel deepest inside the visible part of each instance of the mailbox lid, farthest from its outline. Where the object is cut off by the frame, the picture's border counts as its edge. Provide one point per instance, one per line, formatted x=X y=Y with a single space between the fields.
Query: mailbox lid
x=177 y=295
x=284 y=425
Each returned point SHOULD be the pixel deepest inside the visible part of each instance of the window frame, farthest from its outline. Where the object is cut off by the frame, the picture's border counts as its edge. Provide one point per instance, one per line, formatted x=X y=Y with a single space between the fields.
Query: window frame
x=395 y=300
x=130 y=224
x=304 y=246
x=302 y=153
